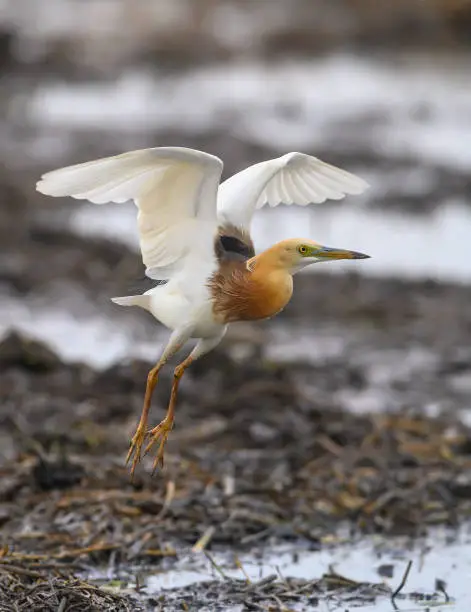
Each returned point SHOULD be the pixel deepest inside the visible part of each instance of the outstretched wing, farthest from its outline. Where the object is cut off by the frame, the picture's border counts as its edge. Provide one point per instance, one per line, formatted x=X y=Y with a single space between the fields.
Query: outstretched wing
x=174 y=189
x=295 y=178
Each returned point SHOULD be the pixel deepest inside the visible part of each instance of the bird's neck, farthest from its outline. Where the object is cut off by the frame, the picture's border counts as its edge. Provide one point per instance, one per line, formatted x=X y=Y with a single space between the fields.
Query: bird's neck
x=251 y=290
x=273 y=281
x=266 y=264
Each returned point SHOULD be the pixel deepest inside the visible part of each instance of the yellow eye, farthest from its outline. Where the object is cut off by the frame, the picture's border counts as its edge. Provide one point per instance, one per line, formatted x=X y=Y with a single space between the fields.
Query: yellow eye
x=302 y=249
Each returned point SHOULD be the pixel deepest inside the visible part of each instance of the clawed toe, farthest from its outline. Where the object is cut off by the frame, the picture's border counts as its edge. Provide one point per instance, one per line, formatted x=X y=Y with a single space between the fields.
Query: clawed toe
x=135 y=449
x=159 y=434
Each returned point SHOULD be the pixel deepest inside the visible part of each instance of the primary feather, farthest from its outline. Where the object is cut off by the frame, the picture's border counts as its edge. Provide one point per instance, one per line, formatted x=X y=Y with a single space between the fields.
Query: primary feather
x=294 y=178
x=174 y=190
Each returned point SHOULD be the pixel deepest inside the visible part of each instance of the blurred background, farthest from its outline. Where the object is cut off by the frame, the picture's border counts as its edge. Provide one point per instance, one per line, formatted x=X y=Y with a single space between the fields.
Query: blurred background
x=380 y=88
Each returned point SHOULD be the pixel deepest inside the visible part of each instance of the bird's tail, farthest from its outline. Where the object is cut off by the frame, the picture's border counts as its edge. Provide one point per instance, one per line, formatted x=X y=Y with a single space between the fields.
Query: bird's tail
x=133 y=300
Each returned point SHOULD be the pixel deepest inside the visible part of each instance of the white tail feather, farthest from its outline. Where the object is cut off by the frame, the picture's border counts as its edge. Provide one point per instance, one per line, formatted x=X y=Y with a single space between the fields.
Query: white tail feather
x=133 y=300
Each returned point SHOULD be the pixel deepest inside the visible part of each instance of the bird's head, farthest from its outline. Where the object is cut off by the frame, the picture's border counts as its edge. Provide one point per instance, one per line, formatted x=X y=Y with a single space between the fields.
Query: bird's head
x=295 y=254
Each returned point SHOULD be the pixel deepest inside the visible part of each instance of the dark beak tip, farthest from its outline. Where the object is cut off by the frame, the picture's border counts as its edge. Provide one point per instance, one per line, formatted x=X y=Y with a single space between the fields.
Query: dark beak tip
x=362 y=256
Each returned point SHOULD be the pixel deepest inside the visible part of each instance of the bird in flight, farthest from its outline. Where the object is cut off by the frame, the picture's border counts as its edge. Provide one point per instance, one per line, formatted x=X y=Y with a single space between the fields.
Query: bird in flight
x=194 y=236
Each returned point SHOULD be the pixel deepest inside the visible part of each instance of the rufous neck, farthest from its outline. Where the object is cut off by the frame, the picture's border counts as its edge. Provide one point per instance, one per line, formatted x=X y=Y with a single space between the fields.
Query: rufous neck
x=266 y=263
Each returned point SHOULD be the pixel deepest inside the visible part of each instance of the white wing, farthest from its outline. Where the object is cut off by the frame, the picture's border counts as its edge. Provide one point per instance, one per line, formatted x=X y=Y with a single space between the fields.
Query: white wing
x=295 y=178
x=174 y=188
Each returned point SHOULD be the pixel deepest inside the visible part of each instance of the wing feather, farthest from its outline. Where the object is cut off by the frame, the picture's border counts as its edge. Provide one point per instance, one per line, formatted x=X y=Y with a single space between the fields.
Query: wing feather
x=322 y=189
x=174 y=189
x=295 y=178
x=293 y=184
x=303 y=188
x=271 y=191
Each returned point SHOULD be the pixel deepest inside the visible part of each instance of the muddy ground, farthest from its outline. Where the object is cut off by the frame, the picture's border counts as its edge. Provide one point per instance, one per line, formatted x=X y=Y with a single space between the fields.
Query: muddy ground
x=258 y=455
x=264 y=450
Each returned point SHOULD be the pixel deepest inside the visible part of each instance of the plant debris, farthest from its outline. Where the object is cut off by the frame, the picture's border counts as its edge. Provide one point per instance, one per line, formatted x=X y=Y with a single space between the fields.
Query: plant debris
x=273 y=593
x=66 y=495
x=24 y=590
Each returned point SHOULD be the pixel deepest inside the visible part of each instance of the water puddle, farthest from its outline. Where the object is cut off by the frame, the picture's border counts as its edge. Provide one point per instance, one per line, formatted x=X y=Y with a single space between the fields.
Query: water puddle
x=91 y=338
x=441 y=557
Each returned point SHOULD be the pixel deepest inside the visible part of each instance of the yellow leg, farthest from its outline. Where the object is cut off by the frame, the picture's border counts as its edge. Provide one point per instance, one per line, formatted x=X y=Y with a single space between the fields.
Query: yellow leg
x=141 y=431
x=163 y=429
x=176 y=341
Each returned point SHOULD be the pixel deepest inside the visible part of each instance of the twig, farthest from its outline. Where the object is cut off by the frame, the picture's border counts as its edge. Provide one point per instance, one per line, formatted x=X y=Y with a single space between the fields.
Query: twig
x=281 y=577
x=169 y=495
x=160 y=552
x=335 y=578
x=403 y=582
x=280 y=604
x=62 y=605
x=215 y=565
x=8 y=567
x=264 y=581
x=204 y=540
x=242 y=569
x=255 y=536
x=229 y=485
x=440 y=585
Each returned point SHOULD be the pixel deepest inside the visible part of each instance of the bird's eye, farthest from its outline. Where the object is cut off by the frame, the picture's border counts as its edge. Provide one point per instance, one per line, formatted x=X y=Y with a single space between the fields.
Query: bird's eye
x=302 y=249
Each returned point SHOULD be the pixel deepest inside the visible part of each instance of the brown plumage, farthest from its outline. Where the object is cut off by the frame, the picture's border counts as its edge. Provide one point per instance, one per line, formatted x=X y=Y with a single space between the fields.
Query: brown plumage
x=248 y=287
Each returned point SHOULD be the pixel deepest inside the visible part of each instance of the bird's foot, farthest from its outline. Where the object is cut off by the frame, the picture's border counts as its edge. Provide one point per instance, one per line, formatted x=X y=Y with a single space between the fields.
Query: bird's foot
x=136 y=448
x=159 y=434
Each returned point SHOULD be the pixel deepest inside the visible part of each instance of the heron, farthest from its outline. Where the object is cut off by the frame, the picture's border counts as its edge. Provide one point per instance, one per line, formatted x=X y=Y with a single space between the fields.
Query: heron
x=194 y=235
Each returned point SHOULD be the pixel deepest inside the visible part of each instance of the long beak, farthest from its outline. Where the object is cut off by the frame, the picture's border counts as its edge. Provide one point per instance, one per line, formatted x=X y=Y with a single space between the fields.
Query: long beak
x=332 y=253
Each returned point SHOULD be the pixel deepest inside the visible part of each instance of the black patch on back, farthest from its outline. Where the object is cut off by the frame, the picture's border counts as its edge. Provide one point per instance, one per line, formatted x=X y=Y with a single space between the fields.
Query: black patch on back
x=231 y=244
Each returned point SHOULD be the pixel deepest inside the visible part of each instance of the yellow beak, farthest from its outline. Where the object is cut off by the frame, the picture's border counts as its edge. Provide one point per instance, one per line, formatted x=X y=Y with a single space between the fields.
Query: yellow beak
x=332 y=253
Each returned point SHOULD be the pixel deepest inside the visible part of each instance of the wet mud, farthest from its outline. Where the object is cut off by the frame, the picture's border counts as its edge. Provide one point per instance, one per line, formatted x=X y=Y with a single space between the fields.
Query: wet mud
x=29 y=589
x=264 y=449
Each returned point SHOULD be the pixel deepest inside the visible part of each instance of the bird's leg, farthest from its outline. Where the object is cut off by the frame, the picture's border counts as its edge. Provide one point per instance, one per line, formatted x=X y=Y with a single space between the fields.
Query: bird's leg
x=140 y=434
x=177 y=339
x=163 y=429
